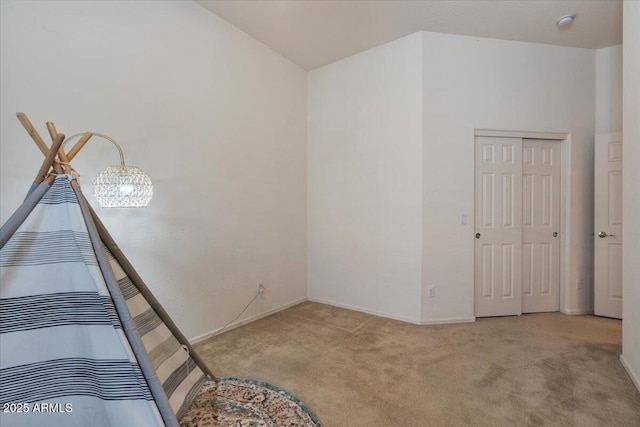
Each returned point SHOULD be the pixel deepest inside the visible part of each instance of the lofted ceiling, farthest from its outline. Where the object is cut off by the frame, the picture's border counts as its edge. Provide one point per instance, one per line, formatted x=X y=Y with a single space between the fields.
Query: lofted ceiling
x=313 y=33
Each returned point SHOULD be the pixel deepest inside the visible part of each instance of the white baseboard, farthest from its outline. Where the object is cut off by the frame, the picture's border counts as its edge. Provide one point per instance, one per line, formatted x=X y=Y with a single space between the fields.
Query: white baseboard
x=446 y=321
x=634 y=375
x=365 y=310
x=394 y=316
x=242 y=322
x=577 y=311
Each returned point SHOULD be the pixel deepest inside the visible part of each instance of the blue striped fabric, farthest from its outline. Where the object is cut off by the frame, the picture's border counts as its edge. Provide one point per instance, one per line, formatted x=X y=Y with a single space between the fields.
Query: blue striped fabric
x=128 y=289
x=51 y=310
x=163 y=351
x=52 y=291
x=180 y=376
x=59 y=193
x=104 y=379
x=147 y=321
x=27 y=248
x=175 y=379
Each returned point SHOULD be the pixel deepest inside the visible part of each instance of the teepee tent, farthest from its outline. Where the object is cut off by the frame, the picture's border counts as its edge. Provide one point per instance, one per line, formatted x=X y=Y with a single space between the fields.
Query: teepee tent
x=83 y=342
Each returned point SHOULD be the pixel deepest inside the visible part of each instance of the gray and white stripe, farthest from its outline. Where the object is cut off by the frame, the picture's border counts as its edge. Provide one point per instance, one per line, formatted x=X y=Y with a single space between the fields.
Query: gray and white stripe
x=26 y=248
x=60 y=309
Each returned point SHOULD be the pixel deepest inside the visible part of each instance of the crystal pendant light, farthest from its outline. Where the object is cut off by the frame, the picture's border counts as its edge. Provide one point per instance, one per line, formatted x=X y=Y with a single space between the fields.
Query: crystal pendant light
x=122 y=186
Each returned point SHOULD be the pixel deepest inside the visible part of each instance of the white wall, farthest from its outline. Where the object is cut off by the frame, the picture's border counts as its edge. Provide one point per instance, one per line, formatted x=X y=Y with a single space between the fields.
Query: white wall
x=471 y=83
x=364 y=181
x=217 y=119
x=609 y=89
x=219 y=122
x=363 y=159
x=631 y=191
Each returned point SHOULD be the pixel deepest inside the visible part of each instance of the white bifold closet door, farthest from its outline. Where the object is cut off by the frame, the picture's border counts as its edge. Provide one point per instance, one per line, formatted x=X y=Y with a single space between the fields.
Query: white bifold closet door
x=498 y=219
x=517 y=215
x=540 y=226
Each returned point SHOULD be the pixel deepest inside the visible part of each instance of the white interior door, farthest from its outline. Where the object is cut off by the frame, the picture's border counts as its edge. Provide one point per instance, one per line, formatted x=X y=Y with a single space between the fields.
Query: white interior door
x=540 y=225
x=498 y=219
x=608 y=226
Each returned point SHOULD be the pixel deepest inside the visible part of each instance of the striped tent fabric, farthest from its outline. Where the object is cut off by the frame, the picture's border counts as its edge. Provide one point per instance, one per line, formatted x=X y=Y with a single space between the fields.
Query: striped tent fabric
x=179 y=374
x=82 y=340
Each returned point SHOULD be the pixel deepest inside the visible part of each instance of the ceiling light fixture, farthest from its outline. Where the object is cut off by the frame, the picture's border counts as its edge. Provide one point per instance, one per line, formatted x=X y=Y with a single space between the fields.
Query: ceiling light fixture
x=565 y=20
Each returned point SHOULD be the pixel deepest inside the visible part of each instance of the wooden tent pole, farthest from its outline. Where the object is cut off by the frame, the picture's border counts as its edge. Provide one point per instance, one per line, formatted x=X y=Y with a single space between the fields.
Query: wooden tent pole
x=31 y=130
x=33 y=133
x=61 y=154
x=53 y=132
x=83 y=140
x=48 y=160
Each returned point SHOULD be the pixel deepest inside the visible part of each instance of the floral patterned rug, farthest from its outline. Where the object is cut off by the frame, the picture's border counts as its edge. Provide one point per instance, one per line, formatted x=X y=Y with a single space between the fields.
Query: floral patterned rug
x=246 y=402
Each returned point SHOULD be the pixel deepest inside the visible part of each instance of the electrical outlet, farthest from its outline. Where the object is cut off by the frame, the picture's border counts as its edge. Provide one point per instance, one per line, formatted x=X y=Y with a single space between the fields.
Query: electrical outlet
x=260 y=287
x=579 y=283
x=431 y=292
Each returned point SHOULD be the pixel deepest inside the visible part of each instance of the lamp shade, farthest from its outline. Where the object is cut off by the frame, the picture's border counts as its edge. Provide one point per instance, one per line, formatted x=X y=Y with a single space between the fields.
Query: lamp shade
x=122 y=187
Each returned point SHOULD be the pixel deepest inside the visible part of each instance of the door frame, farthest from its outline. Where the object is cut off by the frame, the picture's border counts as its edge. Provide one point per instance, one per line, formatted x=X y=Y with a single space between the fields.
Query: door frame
x=564 y=138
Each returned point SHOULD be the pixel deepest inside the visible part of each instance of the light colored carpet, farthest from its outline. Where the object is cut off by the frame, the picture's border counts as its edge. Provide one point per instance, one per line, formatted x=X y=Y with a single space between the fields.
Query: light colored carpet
x=353 y=369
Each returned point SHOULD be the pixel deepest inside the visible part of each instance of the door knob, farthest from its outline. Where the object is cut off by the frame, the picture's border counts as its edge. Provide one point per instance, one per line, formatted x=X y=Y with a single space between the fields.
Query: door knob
x=555 y=234
x=604 y=234
x=477 y=235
